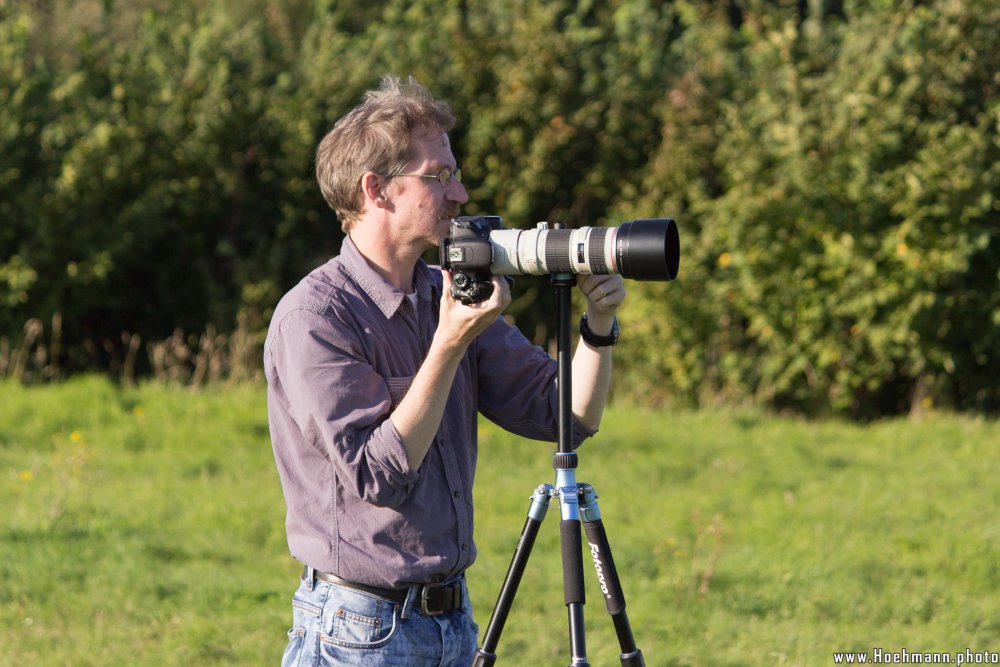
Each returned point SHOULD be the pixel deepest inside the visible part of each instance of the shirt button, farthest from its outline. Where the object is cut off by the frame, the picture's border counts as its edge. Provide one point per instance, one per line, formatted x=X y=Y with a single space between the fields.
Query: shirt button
x=457 y=494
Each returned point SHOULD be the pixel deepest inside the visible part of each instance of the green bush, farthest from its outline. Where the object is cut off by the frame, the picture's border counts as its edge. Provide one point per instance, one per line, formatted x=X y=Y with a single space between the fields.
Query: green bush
x=833 y=168
x=160 y=182
x=841 y=249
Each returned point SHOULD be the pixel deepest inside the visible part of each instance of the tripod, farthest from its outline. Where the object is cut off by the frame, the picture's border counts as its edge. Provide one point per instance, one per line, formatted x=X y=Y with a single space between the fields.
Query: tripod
x=578 y=504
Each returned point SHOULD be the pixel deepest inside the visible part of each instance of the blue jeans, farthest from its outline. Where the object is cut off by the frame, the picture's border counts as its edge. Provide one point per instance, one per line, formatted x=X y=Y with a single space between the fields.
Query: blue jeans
x=335 y=625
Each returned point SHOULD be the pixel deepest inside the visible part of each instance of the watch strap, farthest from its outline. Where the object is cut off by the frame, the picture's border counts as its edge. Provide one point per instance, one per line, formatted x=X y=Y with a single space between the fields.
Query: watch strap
x=595 y=340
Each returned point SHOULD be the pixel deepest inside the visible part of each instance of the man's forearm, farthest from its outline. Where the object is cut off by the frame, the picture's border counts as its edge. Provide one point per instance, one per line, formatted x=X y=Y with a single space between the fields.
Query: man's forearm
x=418 y=415
x=592 y=375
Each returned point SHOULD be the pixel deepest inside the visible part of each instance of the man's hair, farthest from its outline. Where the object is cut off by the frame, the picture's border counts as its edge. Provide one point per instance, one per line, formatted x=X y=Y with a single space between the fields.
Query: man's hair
x=375 y=136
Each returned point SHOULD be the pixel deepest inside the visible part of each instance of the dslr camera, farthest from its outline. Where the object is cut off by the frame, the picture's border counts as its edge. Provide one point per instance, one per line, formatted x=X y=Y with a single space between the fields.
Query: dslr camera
x=479 y=247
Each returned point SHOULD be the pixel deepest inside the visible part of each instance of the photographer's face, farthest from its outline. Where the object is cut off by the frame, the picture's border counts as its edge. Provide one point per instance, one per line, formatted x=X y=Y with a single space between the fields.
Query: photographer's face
x=425 y=207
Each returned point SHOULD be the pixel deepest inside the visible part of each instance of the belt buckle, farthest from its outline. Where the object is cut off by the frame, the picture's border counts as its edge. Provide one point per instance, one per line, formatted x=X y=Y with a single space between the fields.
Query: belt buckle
x=425 y=600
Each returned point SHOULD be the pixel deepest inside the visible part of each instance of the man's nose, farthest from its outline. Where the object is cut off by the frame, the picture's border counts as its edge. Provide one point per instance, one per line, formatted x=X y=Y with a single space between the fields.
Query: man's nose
x=457 y=192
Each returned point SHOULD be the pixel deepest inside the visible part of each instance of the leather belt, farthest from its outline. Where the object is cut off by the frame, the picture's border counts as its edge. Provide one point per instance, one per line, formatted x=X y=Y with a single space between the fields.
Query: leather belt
x=431 y=599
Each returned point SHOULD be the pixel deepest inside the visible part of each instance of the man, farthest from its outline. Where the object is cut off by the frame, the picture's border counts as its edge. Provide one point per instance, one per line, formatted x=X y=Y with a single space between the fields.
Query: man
x=375 y=375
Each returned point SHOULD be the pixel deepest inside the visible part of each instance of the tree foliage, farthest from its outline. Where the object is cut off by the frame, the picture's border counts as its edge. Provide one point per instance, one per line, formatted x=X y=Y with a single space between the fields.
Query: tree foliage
x=833 y=167
x=846 y=202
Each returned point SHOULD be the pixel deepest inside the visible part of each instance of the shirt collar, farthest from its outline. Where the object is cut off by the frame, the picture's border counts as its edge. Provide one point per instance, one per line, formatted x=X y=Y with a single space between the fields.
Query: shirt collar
x=387 y=297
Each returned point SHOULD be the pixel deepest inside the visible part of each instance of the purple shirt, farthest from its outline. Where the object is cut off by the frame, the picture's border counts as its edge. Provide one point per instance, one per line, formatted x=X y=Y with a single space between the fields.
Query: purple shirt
x=341 y=352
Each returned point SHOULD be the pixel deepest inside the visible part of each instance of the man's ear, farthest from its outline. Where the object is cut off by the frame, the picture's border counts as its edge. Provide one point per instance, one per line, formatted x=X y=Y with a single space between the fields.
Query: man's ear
x=373 y=188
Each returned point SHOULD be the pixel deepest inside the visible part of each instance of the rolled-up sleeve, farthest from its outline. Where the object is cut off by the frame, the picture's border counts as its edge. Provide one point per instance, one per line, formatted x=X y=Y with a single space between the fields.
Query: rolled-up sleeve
x=325 y=389
x=517 y=385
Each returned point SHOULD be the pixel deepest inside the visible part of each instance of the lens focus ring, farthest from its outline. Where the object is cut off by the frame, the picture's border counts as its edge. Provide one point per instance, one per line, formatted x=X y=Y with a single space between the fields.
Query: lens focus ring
x=557 y=251
x=595 y=250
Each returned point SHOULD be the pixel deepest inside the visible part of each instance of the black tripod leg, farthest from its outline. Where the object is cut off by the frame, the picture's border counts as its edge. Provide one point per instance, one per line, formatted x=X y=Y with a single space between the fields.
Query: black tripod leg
x=485 y=655
x=572 y=556
x=607 y=576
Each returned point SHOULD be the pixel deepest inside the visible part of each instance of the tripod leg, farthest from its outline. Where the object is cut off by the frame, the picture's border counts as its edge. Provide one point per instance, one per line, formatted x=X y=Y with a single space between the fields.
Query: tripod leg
x=607 y=575
x=572 y=557
x=485 y=654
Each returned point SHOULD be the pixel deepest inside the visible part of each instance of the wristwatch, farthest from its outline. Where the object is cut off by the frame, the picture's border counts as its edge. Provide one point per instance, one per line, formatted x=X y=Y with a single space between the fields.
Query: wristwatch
x=593 y=339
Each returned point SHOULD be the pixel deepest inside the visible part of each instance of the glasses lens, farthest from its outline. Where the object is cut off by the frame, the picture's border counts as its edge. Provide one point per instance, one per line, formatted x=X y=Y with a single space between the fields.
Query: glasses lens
x=446 y=174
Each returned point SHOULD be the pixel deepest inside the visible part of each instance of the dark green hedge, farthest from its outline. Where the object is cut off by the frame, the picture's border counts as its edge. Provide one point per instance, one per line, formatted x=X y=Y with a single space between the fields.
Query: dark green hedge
x=833 y=167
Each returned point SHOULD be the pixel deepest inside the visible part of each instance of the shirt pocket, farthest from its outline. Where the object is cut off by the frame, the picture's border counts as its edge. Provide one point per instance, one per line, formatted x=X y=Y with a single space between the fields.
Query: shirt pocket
x=398 y=386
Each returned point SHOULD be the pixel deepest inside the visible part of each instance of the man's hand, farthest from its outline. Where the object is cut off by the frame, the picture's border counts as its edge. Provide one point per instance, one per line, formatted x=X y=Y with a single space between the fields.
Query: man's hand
x=604 y=294
x=459 y=324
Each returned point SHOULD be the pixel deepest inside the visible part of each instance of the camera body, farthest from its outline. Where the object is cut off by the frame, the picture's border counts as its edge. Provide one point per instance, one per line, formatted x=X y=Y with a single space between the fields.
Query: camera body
x=468 y=253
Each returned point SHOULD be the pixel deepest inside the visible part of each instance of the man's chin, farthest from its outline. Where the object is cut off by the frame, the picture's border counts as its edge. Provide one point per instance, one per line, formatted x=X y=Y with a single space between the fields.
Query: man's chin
x=444 y=230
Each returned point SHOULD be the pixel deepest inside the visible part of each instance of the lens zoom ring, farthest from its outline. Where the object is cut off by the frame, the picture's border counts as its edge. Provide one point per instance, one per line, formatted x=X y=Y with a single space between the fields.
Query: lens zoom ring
x=557 y=251
x=596 y=250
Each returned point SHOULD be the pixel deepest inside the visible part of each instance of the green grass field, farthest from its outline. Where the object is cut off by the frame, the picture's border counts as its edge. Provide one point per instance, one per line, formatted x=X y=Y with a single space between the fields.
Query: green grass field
x=145 y=527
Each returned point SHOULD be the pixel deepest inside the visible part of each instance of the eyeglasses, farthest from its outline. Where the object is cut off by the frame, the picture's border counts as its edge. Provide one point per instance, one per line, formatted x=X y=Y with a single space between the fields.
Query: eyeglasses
x=443 y=176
